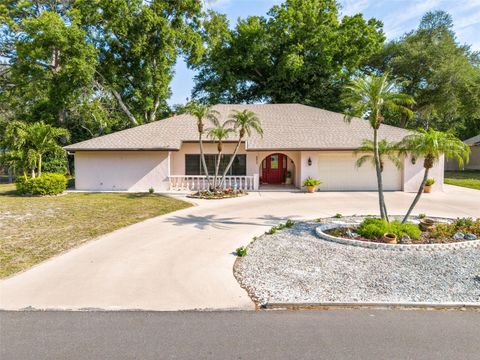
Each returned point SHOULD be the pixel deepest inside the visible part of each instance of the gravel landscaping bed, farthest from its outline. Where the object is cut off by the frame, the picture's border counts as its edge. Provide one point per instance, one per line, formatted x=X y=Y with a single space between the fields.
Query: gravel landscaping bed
x=295 y=266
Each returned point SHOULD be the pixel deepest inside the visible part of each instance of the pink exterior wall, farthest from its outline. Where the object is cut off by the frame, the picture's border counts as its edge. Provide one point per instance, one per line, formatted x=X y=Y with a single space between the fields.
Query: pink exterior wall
x=413 y=174
x=121 y=170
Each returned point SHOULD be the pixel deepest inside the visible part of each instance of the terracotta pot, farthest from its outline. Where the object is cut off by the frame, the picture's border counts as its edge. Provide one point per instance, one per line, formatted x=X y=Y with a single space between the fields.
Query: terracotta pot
x=311 y=189
x=426 y=224
x=427 y=189
x=390 y=238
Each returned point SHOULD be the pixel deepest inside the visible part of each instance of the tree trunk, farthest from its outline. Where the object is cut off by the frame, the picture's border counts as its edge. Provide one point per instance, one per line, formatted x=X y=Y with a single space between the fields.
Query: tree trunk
x=124 y=108
x=202 y=159
x=153 y=113
x=61 y=117
x=381 y=200
x=417 y=197
x=230 y=162
x=217 y=167
x=39 y=165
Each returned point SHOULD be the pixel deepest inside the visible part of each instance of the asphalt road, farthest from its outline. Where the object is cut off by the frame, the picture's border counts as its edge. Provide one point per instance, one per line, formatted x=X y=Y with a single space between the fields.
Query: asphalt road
x=332 y=334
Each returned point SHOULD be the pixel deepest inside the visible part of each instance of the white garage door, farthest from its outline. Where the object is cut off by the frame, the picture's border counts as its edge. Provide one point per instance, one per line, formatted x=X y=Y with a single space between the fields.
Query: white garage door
x=337 y=171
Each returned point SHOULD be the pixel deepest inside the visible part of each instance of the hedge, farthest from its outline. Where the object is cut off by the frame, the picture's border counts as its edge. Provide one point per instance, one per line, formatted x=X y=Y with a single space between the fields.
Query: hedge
x=47 y=184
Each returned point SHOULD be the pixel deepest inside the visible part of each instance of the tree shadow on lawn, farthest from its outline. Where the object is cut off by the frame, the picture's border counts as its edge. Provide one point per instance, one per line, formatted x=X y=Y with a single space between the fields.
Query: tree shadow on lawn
x=223 y=223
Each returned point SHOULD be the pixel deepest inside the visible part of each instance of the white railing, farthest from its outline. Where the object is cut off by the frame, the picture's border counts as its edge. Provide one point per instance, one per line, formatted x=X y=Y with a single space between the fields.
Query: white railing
x=199 y=182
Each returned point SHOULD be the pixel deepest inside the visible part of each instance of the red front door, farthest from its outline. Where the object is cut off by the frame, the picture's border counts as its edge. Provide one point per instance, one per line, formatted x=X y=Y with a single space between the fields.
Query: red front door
x=274 y=168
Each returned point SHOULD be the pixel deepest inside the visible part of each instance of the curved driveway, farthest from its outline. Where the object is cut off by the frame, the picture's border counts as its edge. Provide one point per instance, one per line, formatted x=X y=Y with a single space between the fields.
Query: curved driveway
x=184 y=260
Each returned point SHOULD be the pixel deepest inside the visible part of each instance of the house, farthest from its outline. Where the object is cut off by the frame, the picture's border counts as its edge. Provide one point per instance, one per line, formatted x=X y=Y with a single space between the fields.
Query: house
x=299 y=139
x=474 y=163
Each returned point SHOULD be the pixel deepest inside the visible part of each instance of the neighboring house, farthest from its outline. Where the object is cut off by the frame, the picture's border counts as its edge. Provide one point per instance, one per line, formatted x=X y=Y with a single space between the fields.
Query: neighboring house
x=474 y=163
x=304 y=140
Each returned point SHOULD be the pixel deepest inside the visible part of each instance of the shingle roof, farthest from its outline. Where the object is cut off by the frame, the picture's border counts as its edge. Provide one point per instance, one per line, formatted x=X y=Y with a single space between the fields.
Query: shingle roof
x=473 y=141
x=285 y=126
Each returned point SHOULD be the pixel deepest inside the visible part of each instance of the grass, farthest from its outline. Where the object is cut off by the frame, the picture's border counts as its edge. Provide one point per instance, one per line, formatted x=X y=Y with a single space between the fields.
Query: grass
x=468 y=178
x=33 y=229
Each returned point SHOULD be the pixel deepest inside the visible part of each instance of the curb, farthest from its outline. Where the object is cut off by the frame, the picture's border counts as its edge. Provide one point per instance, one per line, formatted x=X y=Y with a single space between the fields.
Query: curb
x=372 y=305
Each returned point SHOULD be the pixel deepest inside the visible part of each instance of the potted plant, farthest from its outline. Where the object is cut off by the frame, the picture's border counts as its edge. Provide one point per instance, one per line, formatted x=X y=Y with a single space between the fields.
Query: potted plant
x=390 y=238
x=311 y=184
x=288 y=178
x=426 y=224
x=428 y=185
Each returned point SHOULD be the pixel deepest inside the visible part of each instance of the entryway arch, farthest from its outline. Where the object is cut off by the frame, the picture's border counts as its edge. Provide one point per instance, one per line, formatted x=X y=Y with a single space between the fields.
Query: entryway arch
x=277 y=168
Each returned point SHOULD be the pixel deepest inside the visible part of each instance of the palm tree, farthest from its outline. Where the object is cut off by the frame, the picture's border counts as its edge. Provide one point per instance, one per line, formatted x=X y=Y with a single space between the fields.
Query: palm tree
x=245 y=122
x=202 y=112
x=219 y=133
x=34 y=141
x=386 y=149
x=431 y=144
x=368 y=97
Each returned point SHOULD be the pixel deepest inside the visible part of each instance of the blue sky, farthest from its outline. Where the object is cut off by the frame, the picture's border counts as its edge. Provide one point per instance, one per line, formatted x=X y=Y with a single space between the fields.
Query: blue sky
x=398 y=16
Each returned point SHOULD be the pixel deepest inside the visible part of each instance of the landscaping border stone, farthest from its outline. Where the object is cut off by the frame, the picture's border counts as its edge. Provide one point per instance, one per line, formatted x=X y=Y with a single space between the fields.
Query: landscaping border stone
x=320 y=232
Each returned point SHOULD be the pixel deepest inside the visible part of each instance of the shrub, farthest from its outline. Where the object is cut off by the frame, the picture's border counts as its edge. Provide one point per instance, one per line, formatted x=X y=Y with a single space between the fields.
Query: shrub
x=280 y=226
x=47 y=184
x=151 y=190
x=289 y=223
x=338 y=216
x=422 y=216
x=430 y=182
x=443 y=231
x=55 y=165
x=311 y=182
x=241 y=251
x=272 y=231
x=372 y=228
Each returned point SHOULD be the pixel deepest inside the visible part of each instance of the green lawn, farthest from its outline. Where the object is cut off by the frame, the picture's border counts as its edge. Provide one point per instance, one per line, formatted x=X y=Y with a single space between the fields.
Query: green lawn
x=468 y=178
x=33 y=229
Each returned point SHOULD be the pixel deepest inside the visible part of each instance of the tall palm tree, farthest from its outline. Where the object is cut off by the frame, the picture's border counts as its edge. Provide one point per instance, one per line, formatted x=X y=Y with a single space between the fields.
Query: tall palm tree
x=386 y=149
x=431 y=144
x=202 y=112
x=244 y=122
x=368 y=97
x=219 y=134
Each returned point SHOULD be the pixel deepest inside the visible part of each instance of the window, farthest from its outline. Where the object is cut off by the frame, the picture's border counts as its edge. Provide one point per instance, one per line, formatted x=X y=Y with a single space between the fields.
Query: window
x=274 y=162
x=193 y=165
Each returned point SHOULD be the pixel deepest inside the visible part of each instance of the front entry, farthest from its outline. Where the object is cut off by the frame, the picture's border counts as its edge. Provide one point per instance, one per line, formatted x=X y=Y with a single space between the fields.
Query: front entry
x=274 y=168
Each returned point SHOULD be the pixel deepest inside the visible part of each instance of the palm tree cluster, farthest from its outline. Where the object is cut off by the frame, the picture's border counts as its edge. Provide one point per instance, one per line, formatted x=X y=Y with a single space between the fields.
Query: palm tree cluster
x=25 y=146
x=241 y=123
x=371 y=96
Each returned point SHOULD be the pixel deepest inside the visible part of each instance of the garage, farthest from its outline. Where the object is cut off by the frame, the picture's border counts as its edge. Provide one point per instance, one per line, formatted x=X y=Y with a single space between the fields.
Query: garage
x=337 y=172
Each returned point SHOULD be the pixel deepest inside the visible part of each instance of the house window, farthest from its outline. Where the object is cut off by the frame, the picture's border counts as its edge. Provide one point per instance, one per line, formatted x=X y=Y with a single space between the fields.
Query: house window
x=274 y=162
x=193 y=165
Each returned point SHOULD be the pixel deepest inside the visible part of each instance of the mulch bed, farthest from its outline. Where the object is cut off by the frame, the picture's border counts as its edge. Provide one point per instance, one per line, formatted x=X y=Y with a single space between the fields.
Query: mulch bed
x=209 y=195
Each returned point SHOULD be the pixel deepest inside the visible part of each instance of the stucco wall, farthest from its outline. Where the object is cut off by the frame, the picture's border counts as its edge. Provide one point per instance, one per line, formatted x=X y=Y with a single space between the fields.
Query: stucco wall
x=473 y=164
x=121 y=170
x=413 y=174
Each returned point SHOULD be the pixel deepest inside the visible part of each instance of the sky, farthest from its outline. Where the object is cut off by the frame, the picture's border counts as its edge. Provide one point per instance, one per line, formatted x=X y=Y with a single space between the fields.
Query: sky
x=398 y=17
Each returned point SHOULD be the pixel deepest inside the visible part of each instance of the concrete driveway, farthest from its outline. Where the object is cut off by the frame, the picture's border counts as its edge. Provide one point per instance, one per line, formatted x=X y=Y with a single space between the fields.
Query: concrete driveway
x=184 y=260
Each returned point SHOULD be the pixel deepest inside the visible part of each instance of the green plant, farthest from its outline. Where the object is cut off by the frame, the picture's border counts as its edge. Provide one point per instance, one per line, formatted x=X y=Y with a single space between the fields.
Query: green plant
x=47 y=184
x=309 y=181
x=280 y=226
x=373 y=228
x=463 y=222
x=443 y=231
x=429 y=182
x=422 y=216
x=241 y=251
x=151 y=190
x=431 y=145
x=272 y=231
x=288 y=175
x=289 y=223
x=338 y=216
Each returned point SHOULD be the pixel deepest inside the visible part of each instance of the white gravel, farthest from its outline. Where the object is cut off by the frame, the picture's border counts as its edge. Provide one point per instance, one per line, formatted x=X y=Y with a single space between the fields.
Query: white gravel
x=295 y=266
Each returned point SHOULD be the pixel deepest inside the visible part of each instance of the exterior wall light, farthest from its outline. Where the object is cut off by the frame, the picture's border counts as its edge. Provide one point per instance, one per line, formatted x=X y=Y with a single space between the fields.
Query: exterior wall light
x=309 y=162
x=414 y=160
